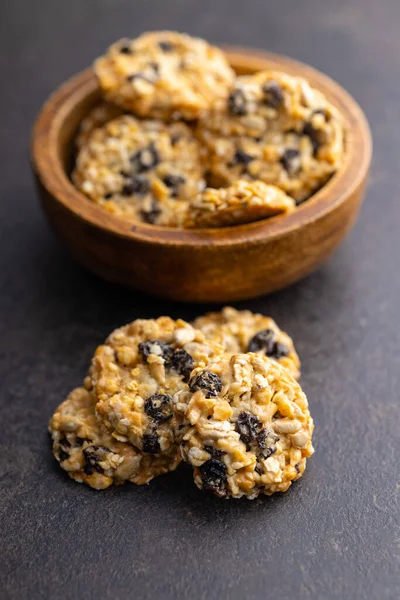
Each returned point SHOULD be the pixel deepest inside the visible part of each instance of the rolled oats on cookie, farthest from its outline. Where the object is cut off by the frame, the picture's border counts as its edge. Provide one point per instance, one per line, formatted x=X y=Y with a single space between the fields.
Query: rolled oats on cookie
x=164 y=75
x=242 y=202
x=99 y=115
x=141 y=170
x=248 y=428
x=245 y=331
x=275 y=128
x=138 y=376
x=90 y=454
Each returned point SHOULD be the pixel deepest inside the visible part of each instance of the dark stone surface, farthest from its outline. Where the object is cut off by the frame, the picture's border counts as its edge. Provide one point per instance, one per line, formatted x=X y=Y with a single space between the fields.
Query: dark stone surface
x=335 y=534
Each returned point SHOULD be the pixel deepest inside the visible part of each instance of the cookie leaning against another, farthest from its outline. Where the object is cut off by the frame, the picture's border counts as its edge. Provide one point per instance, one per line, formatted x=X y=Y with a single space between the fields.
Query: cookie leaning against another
x=89 y=454
x=248 y=427
x=241 y=331
x=164 y=75
x=276 y=128
x=141 y=170
x=138 y=376
x=242 y=202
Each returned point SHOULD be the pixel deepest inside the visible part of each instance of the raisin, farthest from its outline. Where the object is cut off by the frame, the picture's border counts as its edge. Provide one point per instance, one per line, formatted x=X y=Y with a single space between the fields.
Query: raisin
x=183 y=363
x=289 y=160
x=215 y=453
x=154 y=66
x=126 y=49
x=156 y=347
x=266 y=340
x=213 y=475
x=237 y=103
x=280 y=350
x=263 y=340
x=158 y=407
x=127 y=190
x=267 y=452
x=251 y=432
x=175 y=139
x=273 y=94
x=92 y=456
x=166 y=46
x=151 y=443
x=248 y=426
x=63 y=455
x=316 y=136
x=151 y=215
x=145 y=159
x=266 y=439
x=80 y=441
x=310 y=131
x=173 y=182
x=241 y=158
x=207 y=382
x=137 y=185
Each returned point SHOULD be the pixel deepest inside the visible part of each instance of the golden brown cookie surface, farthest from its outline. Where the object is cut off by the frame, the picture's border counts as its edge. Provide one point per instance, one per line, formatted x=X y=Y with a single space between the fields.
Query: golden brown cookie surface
x=276 y=128
x=89 y=454
x=242 y=202
x=249 y=428
x=241 y=331
x=138 y=376
x=141 y=170
x=164 y=74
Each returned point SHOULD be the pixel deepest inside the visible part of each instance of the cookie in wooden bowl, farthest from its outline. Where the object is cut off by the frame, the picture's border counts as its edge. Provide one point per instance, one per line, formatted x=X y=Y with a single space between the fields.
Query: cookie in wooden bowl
x=200 y=265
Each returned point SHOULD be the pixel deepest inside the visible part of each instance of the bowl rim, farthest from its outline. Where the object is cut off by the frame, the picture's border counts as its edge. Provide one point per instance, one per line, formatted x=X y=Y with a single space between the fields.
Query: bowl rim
x=49 y=168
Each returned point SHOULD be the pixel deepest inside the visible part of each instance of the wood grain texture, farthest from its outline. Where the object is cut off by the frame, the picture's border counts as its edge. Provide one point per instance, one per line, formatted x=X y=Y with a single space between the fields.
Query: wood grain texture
x=223 y=264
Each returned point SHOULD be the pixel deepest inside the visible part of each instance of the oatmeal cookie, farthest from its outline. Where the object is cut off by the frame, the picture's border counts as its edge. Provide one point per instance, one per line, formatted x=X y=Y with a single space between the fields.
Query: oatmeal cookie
x=276 y=128
x=245 y=331
x=141 y=170
x=249 y=428
x=89 y=454
x=242 y=202
x=99 y=115
x=164 y=75
x=138 y=376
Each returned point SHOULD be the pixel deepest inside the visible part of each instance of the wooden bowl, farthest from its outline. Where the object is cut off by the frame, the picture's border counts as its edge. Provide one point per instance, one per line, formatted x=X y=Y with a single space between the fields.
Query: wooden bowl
x=204 y=265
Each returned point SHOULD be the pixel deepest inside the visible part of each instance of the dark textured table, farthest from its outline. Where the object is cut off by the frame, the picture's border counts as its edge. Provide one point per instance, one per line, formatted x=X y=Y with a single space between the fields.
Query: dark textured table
x=335 y=534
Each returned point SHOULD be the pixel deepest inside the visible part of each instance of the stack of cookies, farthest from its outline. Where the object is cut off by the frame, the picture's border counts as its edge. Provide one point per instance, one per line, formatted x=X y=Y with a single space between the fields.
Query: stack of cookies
x=220 y=394
x=180 y=141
